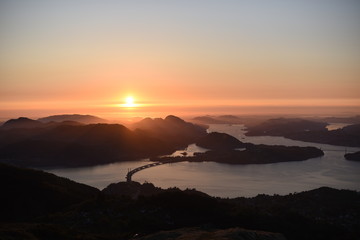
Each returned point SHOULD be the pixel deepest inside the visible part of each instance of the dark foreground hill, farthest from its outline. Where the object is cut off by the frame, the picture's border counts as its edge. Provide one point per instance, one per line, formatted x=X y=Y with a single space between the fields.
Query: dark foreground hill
x=26 y=193
x=213 y=234
x=36 y=205
x=85 y=145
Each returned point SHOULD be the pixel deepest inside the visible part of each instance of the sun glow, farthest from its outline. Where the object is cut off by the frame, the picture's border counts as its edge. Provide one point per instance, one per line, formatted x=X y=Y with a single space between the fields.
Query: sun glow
x=129 y=102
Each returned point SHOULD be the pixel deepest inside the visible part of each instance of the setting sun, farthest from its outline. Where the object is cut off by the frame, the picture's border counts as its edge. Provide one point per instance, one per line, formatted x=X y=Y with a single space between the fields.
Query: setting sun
x=129 y=102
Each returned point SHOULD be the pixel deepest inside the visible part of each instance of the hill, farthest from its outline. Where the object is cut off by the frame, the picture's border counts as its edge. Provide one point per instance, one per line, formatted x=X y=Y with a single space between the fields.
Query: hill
x=27 y=193
x=284 y=126
x=172 y=129
x=308 y=131
x=350 y=120
x=213 y=234
x=86 y=119
x=93 y=144
x=219 y=141
x=229 y=119
x=21 y=122
x=253 y=154
x=208 y=120
x=40 y=206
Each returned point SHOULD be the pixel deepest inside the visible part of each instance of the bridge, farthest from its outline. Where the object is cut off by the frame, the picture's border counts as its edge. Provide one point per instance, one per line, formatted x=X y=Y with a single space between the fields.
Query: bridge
x=132 y=172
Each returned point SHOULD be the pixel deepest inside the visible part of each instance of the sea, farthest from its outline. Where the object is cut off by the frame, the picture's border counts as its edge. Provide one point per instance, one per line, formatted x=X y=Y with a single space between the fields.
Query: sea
x=229 y=180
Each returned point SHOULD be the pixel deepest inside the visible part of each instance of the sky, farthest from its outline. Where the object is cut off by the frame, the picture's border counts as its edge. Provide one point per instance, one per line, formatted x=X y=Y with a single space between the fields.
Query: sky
x=203 y=56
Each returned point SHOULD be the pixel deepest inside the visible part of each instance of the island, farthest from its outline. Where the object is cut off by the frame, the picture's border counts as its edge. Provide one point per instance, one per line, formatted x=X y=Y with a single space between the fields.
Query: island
x=353 y=156
x=253 y=154
x=225 y=148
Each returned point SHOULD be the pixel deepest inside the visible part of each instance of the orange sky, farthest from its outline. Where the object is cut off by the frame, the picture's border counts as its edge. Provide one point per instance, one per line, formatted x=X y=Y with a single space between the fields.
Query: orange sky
x=90 y=55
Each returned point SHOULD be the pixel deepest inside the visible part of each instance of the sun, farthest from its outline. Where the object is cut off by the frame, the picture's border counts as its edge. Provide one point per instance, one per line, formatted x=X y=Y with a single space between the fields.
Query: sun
x=129 y=102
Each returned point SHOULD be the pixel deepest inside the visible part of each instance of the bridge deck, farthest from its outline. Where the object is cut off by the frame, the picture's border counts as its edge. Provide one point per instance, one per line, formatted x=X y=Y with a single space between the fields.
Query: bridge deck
x=132 y=172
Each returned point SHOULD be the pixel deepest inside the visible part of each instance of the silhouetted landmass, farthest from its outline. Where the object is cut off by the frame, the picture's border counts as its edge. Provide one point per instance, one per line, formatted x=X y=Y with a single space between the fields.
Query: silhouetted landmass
x=213 y=234
x=222 y=119
x=219 y=141
x=230 y=119
x=308 y=131
x=21 y=122
x=86 y=145
x=346 y=136
x=132 y=189
x=285 y=126
x=172 y=129
x=209 y=120
x=224 y=150
x=353 y=156
x=86 y=119
x=350 y=120
x=27 y=193
x=25 y=124
x=253 y=154
x=75 y=211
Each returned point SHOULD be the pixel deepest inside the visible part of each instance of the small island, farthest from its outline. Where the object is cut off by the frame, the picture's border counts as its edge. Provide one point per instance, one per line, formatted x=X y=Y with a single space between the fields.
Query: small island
x=353 y=156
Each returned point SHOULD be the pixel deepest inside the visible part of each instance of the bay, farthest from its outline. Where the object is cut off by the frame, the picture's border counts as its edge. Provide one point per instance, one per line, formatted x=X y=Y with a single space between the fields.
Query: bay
x=226 y=180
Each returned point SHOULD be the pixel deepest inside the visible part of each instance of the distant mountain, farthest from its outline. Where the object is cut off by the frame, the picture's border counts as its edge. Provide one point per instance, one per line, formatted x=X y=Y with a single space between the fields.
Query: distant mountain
x=93 y=144
x=209 y=120
x=281 y=126
x=27 y=123
x=308 y=131
x=350 y=120
x=21 y=122
x=87 y=119
x=171 y=129
x=229 y=119
x=219 y=141
x=71 y=146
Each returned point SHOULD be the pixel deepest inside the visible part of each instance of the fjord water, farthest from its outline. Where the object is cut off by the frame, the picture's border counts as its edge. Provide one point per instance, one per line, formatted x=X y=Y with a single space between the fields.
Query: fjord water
x=226 y=180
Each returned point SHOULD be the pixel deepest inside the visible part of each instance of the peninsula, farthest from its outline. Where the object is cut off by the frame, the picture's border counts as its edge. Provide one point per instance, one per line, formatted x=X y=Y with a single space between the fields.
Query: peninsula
x=307 y=131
